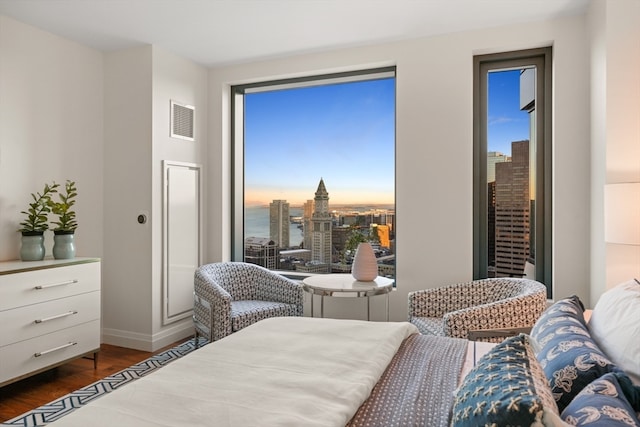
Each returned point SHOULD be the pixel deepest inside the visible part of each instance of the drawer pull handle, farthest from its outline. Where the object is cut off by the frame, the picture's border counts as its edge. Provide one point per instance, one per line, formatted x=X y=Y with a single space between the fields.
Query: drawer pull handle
x=51 y=350
x=51 y=285
x=57 y=316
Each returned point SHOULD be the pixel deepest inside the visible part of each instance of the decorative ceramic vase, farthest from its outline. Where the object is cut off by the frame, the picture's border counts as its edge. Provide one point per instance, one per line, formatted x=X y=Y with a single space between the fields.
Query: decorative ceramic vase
x=32 y=248
x=365 y=264
x=63 y=247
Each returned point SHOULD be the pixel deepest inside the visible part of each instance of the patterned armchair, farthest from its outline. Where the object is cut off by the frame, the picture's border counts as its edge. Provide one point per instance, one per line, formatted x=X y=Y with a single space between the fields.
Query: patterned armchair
x=486 y=309
x=229 y=296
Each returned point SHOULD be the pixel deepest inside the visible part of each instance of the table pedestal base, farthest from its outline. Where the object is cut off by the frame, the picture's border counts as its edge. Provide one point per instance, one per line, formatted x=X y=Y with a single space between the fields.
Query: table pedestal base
x=345 y=284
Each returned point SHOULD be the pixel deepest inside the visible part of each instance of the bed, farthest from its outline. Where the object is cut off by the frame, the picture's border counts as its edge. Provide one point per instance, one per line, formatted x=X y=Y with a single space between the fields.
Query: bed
x=296 y=371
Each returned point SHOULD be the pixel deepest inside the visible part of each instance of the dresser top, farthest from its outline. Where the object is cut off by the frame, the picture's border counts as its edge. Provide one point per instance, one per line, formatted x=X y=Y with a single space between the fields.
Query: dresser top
x=17 y=266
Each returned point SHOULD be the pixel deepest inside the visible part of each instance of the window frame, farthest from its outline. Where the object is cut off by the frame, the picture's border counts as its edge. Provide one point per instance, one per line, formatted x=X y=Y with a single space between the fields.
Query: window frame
x=237 y=136
x=482 y=64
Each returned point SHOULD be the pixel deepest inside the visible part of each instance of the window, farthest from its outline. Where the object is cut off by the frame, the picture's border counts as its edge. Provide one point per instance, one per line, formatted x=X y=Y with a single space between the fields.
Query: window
x=314 y=171
x=512 y=165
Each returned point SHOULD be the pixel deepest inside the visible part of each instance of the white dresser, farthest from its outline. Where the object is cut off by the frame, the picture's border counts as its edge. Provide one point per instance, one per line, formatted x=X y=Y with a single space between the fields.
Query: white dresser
x=49 y=314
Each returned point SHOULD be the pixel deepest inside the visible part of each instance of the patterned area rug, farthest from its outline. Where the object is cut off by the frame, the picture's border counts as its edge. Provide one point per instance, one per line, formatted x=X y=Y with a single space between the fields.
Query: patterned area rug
x=65 y=404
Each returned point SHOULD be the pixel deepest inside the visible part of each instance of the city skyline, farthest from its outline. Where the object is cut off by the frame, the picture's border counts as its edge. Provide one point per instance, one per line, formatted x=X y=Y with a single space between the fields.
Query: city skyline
x=341 y=133
x=344 y=134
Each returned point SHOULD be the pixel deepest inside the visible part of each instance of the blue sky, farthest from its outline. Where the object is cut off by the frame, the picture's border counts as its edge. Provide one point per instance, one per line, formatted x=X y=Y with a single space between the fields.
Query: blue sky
x=342 y=133
x=507 y=122
x=345 y=135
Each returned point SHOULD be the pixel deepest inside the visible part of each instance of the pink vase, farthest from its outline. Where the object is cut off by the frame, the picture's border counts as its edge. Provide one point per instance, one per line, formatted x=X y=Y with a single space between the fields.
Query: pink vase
x=365 y=264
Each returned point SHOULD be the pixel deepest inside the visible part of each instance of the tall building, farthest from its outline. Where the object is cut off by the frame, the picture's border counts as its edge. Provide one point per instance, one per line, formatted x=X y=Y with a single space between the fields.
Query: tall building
x=261 y=251
x=307 y=213
x=493 y=158
x=491 y=228
x=339 y=237
x=279 y=223
x=512 y=212
x=383 y=235
x=321 y=228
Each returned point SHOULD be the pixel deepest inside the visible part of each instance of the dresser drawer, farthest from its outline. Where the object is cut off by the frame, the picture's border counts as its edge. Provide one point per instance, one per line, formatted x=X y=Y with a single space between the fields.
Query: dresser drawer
x=39 y=319
x=32 y=355
x=32 y=287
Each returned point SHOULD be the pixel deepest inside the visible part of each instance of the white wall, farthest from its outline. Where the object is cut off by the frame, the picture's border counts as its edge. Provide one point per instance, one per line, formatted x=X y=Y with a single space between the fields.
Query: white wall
x=598 y=129
x=434 y=121
x=127 y=261
x=616 y=141
x=51 y=120
x=139 y=84
x=177 y=79
x=71 y=112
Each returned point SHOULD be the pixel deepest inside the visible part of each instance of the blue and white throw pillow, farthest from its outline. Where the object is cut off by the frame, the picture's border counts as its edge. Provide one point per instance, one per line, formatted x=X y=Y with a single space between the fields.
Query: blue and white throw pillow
x=604 y=403
x=506 y=387
x=569 y=356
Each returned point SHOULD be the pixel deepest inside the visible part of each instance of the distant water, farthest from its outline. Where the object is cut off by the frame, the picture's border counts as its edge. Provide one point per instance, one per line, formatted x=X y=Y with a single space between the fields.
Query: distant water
x=256 y=224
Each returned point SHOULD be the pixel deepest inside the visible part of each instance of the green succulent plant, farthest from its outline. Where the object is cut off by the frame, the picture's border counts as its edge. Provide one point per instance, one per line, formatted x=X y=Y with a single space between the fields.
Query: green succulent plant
x=66 y=222
x=36 y=221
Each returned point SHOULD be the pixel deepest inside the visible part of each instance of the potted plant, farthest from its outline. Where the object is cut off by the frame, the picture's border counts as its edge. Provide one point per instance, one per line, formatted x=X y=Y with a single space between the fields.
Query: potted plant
x=36 y=223
x=65 y=226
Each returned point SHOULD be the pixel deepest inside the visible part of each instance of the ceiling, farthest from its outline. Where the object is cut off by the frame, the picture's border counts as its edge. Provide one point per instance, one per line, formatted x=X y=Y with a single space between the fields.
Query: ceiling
x=223 y=32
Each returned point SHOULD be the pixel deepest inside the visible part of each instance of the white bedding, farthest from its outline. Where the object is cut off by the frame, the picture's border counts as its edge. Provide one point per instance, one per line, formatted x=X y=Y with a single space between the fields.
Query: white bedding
x=277 y=372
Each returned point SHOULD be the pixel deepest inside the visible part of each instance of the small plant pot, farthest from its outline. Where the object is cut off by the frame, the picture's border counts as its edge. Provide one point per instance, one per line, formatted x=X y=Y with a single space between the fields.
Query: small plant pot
x=32 y=248
x=63 y=246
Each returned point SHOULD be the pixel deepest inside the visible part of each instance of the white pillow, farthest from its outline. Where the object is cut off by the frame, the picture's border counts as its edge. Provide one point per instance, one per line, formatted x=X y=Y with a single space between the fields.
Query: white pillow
x=615 y=327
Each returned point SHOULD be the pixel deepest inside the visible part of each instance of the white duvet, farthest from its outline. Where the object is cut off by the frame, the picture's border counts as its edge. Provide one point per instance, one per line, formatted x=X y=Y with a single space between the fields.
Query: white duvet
x=289 y=371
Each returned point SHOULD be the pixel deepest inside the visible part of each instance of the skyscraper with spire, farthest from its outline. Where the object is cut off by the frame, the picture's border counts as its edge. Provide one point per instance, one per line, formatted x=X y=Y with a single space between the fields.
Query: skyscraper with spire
x=321 y=228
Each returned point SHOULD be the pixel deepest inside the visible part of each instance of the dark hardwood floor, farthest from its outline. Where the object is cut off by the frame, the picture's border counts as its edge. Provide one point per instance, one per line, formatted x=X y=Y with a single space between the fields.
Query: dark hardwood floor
x=29 y=393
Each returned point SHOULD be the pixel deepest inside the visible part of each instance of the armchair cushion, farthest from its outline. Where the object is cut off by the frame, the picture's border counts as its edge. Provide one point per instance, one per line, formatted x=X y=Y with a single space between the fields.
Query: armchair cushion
x=245 y=313
x=430 y=325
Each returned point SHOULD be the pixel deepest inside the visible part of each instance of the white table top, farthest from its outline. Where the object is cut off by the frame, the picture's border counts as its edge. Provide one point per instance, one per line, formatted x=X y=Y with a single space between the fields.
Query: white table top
x=346 y=283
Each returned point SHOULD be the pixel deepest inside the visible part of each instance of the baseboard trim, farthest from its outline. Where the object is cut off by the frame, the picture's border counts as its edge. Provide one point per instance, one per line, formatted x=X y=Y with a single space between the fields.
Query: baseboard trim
x=147 y=342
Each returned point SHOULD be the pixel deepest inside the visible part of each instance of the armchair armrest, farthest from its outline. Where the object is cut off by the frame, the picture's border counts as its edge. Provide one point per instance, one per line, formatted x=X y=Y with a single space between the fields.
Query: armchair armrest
x=480 y=334
x=210 y=290
x=212 y=308
x=509 y=314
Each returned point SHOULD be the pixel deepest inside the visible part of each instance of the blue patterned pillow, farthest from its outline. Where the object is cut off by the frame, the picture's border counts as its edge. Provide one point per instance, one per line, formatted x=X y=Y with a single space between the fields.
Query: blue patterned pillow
x=604 y=403
x=506 y=387
x=570 y=358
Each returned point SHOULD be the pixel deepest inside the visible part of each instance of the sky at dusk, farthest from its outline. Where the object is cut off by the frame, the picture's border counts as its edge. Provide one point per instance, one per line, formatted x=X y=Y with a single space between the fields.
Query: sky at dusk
x=342 y=133
x=345 y=134
x=507 y=123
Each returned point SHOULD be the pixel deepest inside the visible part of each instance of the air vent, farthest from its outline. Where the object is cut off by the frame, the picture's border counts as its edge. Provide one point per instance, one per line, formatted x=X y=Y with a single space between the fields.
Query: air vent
x=182 y=121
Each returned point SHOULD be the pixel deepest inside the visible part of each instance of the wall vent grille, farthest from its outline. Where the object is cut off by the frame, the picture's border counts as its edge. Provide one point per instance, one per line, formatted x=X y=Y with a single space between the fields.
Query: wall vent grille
x=182 y=121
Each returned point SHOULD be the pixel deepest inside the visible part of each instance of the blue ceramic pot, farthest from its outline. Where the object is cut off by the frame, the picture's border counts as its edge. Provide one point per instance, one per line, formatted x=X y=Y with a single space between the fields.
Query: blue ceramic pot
x=63 y=246
x=32 y=248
